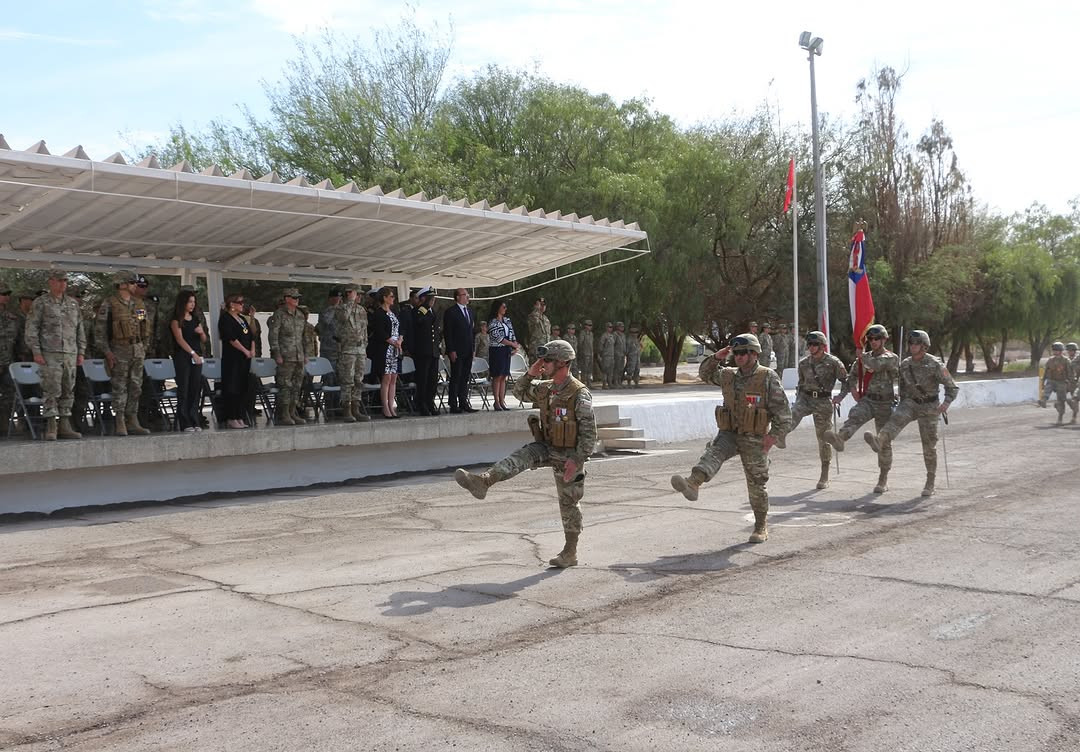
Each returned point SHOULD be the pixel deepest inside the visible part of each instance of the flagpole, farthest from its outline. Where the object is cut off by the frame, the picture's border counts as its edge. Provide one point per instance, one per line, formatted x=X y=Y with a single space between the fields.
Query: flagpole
x=795 y=261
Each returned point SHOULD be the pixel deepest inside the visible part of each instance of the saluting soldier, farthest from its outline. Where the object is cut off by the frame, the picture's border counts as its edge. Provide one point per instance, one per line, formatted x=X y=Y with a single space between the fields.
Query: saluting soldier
x=54 y=334
x=754 y=416
x=350 y=327
x=121 y=332
x=921 y=374
x=818 y=373
x=564 y=433
x=881 y=370
x=288 y=347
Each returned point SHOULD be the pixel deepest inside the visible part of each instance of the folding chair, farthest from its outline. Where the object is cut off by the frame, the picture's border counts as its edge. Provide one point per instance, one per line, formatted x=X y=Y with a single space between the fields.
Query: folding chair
x=479 y=381
x=26 y=378
x=444 y=381
x=320 y=392
x=408 y=366
x=211 y=376
x=160 y=371
x=98 y=376
x=518 y=367
x=265 y=368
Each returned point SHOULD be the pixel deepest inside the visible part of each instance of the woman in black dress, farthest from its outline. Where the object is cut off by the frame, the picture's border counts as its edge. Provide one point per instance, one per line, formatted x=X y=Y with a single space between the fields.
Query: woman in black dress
x=188 y=337
x=236 y=354
x=384 y=350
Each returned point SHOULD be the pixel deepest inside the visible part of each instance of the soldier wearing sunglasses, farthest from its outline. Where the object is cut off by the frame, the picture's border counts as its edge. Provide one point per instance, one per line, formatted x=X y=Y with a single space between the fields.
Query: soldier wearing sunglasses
x=754 y=416
x=818 y=373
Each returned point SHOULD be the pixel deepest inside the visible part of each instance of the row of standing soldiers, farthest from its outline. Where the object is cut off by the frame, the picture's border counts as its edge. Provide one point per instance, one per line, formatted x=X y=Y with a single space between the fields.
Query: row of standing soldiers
x=612 y=360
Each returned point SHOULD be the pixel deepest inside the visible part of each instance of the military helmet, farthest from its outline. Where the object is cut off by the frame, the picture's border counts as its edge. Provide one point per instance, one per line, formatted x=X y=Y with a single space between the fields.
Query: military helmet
x=124 y=278
x=919 y=337
x=557 y=349
x=877 y=330
x=1071 y=346
x=816 y=338
x=747 y=341
x=1058 y=346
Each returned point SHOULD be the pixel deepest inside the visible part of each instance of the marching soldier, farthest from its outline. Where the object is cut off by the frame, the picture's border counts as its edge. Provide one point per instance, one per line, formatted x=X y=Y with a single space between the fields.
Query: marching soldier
x=754 y=416
x=121 y=332
x=539 y=327
x=920 y=376
x=350 y=327
x=584 y=352
x=876 y=403
x=564 y=433
x=633 y=356
x=818 y=372
x=288 y=347
x=1058 y=379
x=1071 y=352
x=54 y=334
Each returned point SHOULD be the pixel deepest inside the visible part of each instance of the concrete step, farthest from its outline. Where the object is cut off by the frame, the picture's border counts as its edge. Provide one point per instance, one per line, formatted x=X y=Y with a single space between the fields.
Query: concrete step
x=606 y=415
x=606 y=433
x=631 y=444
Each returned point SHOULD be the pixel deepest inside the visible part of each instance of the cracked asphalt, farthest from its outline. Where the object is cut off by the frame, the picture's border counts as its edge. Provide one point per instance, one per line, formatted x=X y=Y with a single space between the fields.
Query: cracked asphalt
x=402 y=614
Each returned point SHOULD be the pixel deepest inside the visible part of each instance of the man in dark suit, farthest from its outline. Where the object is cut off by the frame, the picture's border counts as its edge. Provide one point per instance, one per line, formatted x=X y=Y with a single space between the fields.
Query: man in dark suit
x=459 y=323
x=425 y=350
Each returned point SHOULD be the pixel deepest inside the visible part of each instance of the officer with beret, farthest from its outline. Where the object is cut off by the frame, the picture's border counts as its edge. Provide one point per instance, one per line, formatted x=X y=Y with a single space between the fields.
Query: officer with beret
x=426 y=335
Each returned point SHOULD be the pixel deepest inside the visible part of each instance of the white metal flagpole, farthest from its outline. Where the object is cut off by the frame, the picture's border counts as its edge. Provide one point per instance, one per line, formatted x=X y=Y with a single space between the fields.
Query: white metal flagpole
x=795 y=259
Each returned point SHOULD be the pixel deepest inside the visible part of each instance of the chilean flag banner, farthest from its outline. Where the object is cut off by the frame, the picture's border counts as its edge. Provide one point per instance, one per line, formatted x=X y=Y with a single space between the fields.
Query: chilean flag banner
x=862 y=303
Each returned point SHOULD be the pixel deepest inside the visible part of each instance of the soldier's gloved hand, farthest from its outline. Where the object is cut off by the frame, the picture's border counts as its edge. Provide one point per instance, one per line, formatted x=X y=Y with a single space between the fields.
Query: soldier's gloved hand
x=943 y=408
x=39 y=359
x=837 y=400
x=110 y=360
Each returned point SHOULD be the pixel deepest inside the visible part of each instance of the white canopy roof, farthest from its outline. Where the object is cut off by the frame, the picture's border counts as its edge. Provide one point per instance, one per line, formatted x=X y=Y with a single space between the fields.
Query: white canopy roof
x=76 y=213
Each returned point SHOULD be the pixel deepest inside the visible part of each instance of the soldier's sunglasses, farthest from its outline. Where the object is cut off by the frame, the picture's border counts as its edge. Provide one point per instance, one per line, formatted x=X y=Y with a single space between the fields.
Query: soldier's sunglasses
x=741 y=352
x=549 y=360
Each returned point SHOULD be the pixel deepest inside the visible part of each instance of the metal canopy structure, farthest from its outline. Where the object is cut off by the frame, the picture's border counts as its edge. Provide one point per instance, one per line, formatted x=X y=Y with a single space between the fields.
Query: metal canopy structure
x=72 y=212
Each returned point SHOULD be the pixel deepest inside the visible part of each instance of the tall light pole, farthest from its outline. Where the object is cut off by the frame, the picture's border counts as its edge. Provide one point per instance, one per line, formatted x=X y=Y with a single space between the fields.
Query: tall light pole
x=813 y=46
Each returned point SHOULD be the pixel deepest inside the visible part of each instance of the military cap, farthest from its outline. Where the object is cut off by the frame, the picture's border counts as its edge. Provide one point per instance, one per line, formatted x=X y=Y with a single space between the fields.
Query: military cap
x=877 y=330
x=58 y=274
x=745 y=341
x=557 y=349
x=618 y=324
x=919 y=337
x=783 y=325
x=1071 y=346
x=1058 y=346
x=608 y=323
x=352 y=287
x=570 y=326
x=428 y=290
x=766 y=325
x=120 y=278
x=588 y=322
x=27 y=295
x=290 y=292
x=816 y=338
x=753 y=323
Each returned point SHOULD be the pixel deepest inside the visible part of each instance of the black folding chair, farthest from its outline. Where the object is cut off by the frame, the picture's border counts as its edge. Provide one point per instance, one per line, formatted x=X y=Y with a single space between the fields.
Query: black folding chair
x=29 y=403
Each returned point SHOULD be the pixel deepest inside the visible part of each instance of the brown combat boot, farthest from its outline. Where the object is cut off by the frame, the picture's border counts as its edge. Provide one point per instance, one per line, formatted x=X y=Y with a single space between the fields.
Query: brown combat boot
x=877 y=441
x=284 y=415
x=688 y=487
x=832 y=438
x=823 y=481
x=66 y=431
x=50 y=429
x=121 y=426
x=347 y=413
x=133 y=426
x=761 y=527
x=358 y=412
x=297 y=414
x=928 y=489
x=568 y=556
x=882 y=482
x=477 y=485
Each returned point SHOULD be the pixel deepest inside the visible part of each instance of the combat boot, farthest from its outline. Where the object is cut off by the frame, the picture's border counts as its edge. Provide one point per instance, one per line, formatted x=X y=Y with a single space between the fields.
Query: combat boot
x=781 y=441
x=347 y=414
x=688 y=487
x=50 y=429
x=66 y=431
x=121 y=426
x=832 y=438
x=284 y=415
x=761 y=527
x=568 y=556
x=928 y=489
x=823 y=481
x=298 y=415
x=358 y=412
x=882 y=482
x=477 y=485
x=1061 y=419
x=133 y=426
x=877 y=441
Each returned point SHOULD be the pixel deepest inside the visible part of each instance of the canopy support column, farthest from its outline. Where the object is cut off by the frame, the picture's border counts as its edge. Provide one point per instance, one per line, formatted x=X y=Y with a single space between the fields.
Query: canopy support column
x=216 y=292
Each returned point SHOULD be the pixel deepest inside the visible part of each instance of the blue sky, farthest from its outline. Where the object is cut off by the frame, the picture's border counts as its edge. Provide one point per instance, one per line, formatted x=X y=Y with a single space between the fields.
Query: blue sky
x=103 y=74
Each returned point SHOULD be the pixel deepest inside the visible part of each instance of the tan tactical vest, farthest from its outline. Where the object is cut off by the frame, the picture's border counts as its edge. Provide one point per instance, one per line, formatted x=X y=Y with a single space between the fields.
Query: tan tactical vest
x=130 y=325
x=558 y=414
x=748 y=415
x=1057 y=368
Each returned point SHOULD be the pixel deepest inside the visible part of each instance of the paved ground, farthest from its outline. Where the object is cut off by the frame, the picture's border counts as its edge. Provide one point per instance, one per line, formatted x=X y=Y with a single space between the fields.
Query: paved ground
x=404 y=615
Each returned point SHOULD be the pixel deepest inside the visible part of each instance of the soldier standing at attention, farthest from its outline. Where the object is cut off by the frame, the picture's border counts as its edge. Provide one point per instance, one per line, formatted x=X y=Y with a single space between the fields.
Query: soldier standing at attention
x=766 y=340
x=1071 y=351
x=539 y=327
x=584 y=352
x=481 y=346
x=54 y=334
x=288 y=348
x=426 y=336
x=792 y=358
x=780 y=349
x=572 y=339
x=350 y=325
x=755 y=414
x=920 y=375
x=121 y=332
x=564 y=433
x=1058 y=378
x=818 y=372
x=140 y=290
x=618 y=368
x=606 y=347
x=633 y=356
x=882 y=371
x=328 y=343
x=11 y=337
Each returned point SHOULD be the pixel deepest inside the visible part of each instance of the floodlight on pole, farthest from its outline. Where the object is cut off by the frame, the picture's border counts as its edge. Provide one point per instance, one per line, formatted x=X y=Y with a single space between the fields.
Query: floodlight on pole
x=813 y=46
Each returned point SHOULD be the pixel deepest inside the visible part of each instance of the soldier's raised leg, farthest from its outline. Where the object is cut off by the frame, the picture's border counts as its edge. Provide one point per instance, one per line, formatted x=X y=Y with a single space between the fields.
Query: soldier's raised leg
x=717 y=452
x=756 y=468
x=528 y=457
x=901 y=416
x=928 y=432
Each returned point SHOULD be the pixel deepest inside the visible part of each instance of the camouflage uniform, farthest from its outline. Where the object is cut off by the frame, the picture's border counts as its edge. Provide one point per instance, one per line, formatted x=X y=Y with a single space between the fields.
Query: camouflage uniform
x=329 y=347
x=55 y=332
x=351 y=329
x=919 y=382
x=606 y=346
x=11 y=342
x=766 y=341
x=481 y=345
x=122 y=329
x=755 y=392
x=584 y=353
x=1058 y=379
x=618 y=366
x=571 y=337
x=814 y=397
x=539 y=331
x=792 y=357
x=780 y=349
x=633 y=356
x=1074 y=363
x=288 y=341
x=23 y=354
x=565 y=430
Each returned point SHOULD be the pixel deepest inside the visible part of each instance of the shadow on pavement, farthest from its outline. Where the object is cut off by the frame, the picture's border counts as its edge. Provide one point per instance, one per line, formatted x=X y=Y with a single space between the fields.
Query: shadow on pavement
x=466 y=595
x=697 y=563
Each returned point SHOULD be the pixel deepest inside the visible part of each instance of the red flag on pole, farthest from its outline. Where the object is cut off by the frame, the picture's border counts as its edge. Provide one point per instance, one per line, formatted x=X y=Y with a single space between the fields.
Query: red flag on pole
x=861 y=302
x=790 y=185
